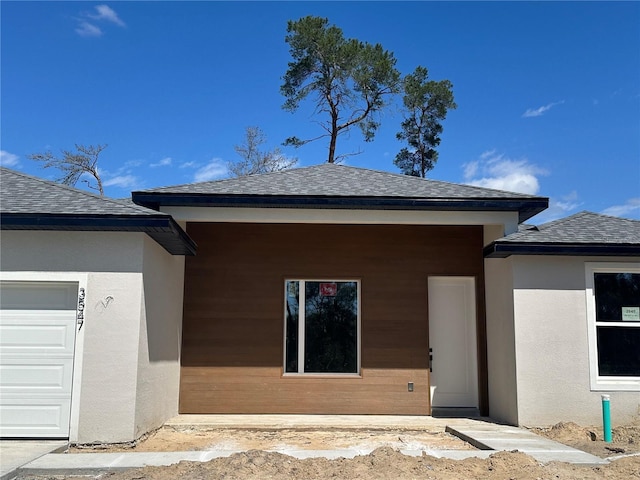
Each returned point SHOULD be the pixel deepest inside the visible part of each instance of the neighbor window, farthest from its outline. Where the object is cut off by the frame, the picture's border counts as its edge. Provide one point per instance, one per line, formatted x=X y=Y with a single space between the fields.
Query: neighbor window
x=614 y=318
x=322 y=326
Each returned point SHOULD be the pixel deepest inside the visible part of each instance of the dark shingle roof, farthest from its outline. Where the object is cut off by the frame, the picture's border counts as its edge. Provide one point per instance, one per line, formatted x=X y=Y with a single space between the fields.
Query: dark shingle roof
x=338 y=186
x=584 y=233
x=23 y=193
x=339 y=181
x=31 y=203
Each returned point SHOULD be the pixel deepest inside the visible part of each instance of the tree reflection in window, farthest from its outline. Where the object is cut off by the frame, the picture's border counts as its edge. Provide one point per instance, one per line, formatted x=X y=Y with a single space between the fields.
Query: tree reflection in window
x=329 y=328
x=293 y=307
x=331 y=337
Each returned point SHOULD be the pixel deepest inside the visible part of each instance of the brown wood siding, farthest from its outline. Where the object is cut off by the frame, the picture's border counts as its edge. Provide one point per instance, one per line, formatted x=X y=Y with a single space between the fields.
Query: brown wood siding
x=233 y=326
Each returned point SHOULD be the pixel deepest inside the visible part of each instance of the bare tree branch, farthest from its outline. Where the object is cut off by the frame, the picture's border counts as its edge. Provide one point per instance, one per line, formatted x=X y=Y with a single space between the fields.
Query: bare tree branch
x=73 y=165
x=253 y=160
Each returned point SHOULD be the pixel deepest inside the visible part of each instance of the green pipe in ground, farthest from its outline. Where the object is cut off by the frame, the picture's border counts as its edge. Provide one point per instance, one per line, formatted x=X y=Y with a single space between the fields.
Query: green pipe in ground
x=606 y=418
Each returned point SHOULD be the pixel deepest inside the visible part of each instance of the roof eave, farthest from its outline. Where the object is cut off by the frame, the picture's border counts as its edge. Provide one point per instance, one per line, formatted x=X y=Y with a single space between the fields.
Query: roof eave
x=161 y=228
x=526 y=208
x=506 y=249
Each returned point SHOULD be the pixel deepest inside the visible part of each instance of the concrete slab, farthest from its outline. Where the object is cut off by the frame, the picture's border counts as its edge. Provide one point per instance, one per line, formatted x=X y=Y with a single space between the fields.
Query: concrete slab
x=15 y=453
x=500 y=437
x=95 y=463
x=276 y=422
x=98 y=463
x=488 y=436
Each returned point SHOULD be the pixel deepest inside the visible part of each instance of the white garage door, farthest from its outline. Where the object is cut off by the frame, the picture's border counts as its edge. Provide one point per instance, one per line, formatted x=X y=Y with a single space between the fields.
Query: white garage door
x=37 y=339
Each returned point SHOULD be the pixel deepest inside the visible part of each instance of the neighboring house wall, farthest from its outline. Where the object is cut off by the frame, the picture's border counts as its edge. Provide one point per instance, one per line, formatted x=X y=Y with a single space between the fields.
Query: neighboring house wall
x=501 y=348
x=107 y=362
x=552 y=348
x=233 y=328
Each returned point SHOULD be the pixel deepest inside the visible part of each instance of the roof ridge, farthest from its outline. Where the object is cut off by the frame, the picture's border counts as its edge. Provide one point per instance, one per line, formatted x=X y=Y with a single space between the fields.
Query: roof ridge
x=444 y=182
x=615 y=217
x=582 y=213
x=396 y=175
x=79 y=191
x=422 y=179
x=238 y=177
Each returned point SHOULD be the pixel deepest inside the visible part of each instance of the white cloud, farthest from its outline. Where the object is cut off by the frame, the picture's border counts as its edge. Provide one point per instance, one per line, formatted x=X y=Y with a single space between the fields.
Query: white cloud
x=629 y=209
x=132 y=163
x=189 y=165
x=122 y=181
x=214 y=170
x=488 y=154
x=537 y=112
x=86 y=29
x=558 y=208
x=8 y=159
x=107 y=14
x=568 y=202
x=87 y=22
x=496 y=171
x=162 y=163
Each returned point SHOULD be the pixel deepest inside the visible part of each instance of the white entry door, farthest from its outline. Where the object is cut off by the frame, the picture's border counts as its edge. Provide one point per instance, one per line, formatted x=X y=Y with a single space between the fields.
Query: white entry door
x=452 y=340
x=37 y=342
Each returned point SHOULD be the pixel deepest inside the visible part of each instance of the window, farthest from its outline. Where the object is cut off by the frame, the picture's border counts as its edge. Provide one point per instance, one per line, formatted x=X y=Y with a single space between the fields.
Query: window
x=614 y=322
x=322 y=326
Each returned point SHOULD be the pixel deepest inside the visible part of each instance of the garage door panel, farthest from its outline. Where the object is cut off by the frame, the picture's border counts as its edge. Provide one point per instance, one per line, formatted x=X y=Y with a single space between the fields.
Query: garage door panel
x=37 y=333
x=37 y=343
x=42 y=418
x=32 y=377
x=38 y=296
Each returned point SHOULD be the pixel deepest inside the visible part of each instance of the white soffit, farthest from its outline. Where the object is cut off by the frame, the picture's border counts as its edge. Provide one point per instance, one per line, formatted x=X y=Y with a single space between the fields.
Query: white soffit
x=340 y=216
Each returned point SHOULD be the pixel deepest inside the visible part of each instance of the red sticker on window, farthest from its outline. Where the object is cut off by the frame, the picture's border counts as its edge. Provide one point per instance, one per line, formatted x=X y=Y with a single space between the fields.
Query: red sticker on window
x=328 y=289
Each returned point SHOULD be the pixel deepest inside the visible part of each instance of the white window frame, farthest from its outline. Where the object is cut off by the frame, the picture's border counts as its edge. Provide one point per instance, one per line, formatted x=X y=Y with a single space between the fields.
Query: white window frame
x=601 y=382
x=301 y=329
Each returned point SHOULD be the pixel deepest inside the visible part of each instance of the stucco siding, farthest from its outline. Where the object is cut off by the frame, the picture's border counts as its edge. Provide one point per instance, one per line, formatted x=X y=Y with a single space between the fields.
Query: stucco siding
x=552 y=350
x=118 y=310
x=158 y=377
x=112 y=323
x=500 y=341
x=28 y=250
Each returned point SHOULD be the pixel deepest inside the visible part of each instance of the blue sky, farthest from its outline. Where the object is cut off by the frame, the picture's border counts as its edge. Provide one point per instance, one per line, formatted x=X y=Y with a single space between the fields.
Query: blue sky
x=548 y=93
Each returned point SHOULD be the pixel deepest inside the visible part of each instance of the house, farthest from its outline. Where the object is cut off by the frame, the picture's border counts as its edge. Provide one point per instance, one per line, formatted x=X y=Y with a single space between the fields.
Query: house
x=90 y=313
x=563 y=301
x=326 y=289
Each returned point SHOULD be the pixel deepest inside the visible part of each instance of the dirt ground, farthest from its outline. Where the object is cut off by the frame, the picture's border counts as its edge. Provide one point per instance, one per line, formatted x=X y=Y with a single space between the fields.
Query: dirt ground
x=625 y=439
x=385 y=462
x=172 y=440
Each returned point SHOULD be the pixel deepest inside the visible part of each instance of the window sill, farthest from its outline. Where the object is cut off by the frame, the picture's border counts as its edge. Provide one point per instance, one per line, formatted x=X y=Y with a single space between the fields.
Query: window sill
x=616 y=385
x=342 y=376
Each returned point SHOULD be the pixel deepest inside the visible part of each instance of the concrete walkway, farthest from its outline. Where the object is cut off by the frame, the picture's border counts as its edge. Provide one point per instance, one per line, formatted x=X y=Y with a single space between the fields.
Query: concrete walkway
x=503 y=437
x=488 y=437
x=15 y=453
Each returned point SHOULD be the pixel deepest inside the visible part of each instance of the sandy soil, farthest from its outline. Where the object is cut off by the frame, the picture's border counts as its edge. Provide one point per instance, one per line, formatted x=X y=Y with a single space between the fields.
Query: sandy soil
x=626 y=439
x=384 y=463
x=387 y=463
x=172 y=440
